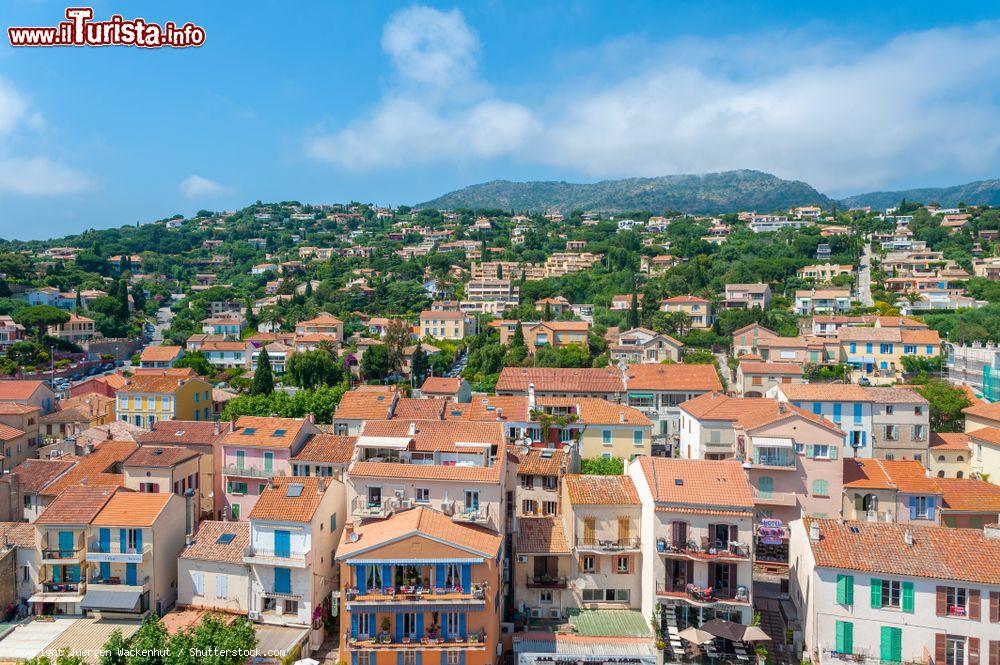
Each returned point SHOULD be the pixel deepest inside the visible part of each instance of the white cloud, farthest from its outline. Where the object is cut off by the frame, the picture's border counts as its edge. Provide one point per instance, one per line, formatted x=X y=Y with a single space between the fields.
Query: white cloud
x=196 y=187
x=30 y=175
x=836 y=113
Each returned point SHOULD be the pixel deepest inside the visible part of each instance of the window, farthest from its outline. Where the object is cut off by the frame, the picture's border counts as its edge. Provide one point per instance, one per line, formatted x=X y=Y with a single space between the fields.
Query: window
x=919 y=507
x=637 y=437
x=452 y=624
x=622 y=564
x=890 y=433
x=529 y=507
x=333 y=522
x=409 y=658
x=373 y=578
x=291 y=607
x=222 y=587
x=957 y=599
x=918 y=432
x=550 y=482
x=606 y=437
x=199 y=583
x=588 y=563
x=918 y=410
x=423 y=495
x=891 y=593
x=821 y=451
x=845 y=637
x=954 y=652
x=889 y=408
x=845 y=589
x=821 y=488
x=453 y=657
x=528 y=482
x=364 y=624
x=545 y=596
x=549 y=508
x=606 y=595
x=365 y=657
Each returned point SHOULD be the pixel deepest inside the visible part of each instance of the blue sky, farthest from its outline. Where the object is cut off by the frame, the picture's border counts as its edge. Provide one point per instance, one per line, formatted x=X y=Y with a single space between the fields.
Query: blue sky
x=400 y=102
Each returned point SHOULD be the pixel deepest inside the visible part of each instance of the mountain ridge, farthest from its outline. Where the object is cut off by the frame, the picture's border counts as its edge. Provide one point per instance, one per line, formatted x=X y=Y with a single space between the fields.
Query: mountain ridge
x=709 y=193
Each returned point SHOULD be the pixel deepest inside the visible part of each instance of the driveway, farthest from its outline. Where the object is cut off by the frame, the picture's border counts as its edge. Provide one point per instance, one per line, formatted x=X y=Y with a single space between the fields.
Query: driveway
x=865 y=277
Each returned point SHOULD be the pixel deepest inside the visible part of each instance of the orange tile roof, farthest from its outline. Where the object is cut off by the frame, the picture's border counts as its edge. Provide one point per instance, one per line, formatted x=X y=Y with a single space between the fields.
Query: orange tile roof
x=76 y=505
x=160 y=353
x=684 y=299
x=327 y=449
x=264 y=432
x=707 y=485
x=14 y=409
x=600 y=490
x=95 y=468
x=192 y=432
x=551 y=379
x=541 y=535
x=275 y=503
x=411 y=408
x=949 y=441
x=8 y=433
x=363 y=405
x=749 y=413
x=420 y=522
x=750 y=367
x=969 y=495
x=597 y=411
x=543 y=462
x=984 y=410
x=136 y=509
x=442 y=435
x=987 y=434
x=441 y=385
x=468 y=474
x=16 y=389
x=206 y=545
x=965 y=555
x=35 y=474
x=18 y=534
x=160 y=456
x=676 y=377
x=153 y=383
x=908 y=476
x=322 y=319
x=509 y=408
x=825 y=392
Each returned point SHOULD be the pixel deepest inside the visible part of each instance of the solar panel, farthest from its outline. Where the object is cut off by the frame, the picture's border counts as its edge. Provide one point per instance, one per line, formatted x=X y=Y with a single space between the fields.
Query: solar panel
x=294 y=489
x=225 y=538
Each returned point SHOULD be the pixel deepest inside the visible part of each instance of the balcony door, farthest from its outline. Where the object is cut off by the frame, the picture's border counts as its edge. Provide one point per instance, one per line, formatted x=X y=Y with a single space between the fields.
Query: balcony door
x=471 y=501
x=546 y=568
x=374 y=496
x=679 y=534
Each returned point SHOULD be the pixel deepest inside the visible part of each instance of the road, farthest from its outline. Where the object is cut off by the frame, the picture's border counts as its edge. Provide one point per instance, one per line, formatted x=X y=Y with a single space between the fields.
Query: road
x=865 y=277
x=163 y=317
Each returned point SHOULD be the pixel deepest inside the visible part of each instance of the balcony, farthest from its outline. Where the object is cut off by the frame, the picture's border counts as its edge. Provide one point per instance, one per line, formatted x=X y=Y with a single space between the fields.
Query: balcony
x=608 y=546
x=418 y=594
x=268 y=556
x=705 y=551
x=60 y=556
x=773 y=462
x=117 y=583
x=475 y=514
x=430 y=640
x=251 y=471
x=545 y=582
x=98 y=552
x=769 y=498
x=368 y=509
x=697 y=595
x=69 y=588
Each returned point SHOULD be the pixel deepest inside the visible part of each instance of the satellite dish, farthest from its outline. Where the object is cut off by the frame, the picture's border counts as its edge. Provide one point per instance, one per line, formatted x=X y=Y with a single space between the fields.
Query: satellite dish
x=353 y=537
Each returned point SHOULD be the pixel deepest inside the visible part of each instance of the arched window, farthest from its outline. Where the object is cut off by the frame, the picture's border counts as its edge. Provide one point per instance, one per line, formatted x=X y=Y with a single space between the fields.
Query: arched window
x=940 y=458
x=869 y=502
x=959 y=474
x=961 y=458
x=940 y=474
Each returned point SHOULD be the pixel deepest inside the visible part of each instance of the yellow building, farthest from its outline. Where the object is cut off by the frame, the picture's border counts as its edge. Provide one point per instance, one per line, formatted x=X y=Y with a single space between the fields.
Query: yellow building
x=604 y=429
x=699 y=310
x=949 y=455
x=880 y=350
x=445 y=324
x=146 y=399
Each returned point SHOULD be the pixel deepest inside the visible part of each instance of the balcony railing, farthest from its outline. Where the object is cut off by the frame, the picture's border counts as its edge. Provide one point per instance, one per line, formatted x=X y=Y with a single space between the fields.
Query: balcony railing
x=774 y=461
x=545 y=582
x=362 y=507
x=112 y=552
x=477 y=514
x=115 y=580
x=707 y=595
x=62 y=555
x=608 y=545
x=388 y=641
x=705 y=550
x=419 y=593
x=256 y=554
x=251 y=471
x=771 y=498
x=63 y=587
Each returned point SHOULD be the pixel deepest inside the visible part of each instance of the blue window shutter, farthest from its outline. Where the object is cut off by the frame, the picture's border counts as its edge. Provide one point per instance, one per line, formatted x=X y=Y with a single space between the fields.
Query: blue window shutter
x=123 y=539
x=131 y=574
x=854 y=347
x=138 y=540
x=387 y=576
x=444 y=626
x=420 y=658
x=282 y=580
x=913 y=507
x=439 y=576
x=57 y=574
x=361 y=573
x=836 y=411
x=864 y=439
x=466 y=577
x=105 y=540
x=282 y=543
x=354 y=625
x=817 y=408
x=399 y=658
x=857 y=413
x=354 y=658
x=399 y=628
x=930 y=507
x=105 y=570
x=420 y=625
x=444 y=658
x=462 y=625
x=461 y=658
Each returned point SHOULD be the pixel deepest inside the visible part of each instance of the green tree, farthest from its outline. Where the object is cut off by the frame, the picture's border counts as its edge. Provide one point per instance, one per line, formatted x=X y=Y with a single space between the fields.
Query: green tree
x=633 y=311
x=419 y=364
x=197 y=361
x=148 y=645
x=601 y=466
x=114 y=650
x=396 y=338
x=946 y=404
x=40 y=317
x=309 y=369
x=517 y=339
x=263 y=379
x=375 y=363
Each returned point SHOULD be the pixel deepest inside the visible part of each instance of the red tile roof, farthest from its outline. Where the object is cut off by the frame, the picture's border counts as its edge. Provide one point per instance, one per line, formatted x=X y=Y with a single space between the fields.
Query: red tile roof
x=327 y=449
x=277 y=503
x=684 y=484
x=551 y=379
x=15 y=390
x=541 y=535
x=601 y=490
x=207 y=546
x=264 y=432
x=908 y=476
x=76 y=505
x=675 y=377
x=543 y=462
x=420 y=522
x=441 y=385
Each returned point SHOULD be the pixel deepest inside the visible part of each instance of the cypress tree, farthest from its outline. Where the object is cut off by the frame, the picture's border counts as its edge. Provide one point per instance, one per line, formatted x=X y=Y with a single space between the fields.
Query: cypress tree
x=263 y=380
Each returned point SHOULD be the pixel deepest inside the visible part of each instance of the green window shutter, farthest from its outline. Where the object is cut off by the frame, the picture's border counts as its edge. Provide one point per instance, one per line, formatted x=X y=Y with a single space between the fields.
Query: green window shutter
x=833 y=452
x=897 y=644
x=908 y=597
x=850 y=589
x=885 y=644
x=809 y=451
x=848 y=637
x=858 y=502
x=845 y=589
x=876 y=587
x=891 y=646
x=840 y=637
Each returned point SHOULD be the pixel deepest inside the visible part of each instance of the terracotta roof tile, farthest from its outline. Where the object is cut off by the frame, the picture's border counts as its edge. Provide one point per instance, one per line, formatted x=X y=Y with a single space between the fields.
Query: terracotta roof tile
x=596 y=411
x=173 y=432
x=35 y=474
x=410 y=408
x=16 y=389
x=153 y=383
x=469 y=474
x=598 y=490
x=969 y=495
x=442 y=435
x=17 y=534
x=965 y=555
x=500 y=408
x=76 y=505
x=541 y=535
x=264 y=432
x=95 y=468
x=698 y=484
x=276 y=502
x=159 y=353
x=328 y=449
x=676 y=377
x=987 y=434
x=364 y=405
x=543 y=462
x=908 y=476
x=441 y=385
x=422 y=522
x=8 y=433
x=984 y=410
x=550 y=379
x=208 y=547
x=13 y=408
x=160 y=456
x=136 y=509
x=949 y=441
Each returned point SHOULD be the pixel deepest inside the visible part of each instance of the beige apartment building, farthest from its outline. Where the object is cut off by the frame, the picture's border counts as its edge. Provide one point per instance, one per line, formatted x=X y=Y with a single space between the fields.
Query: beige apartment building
x=442 y=324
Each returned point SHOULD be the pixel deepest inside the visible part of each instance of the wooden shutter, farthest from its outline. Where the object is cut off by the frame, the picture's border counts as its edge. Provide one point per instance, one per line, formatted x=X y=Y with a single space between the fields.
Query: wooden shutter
x=876 y=592
x=942 y=601
x=973 y=651
x=940 y=648
x=994 y=606
x=623 y=529
x=711 y=575
x=690 y=572
x=994 y=652
x=734 y=533
x=589 y=527
x=907 y=599
x=975 y=605
x=732 y=578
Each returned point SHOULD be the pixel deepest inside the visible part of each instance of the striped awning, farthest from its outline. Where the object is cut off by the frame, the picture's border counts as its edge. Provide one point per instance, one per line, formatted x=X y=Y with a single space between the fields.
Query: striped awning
x=772 y=441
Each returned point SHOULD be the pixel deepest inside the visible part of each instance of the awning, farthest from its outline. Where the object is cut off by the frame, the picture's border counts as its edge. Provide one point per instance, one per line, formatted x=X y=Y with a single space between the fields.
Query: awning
x=415 y=562
x=640 y=395
x=396 y=442
x=411 y=606
x=111 y=600
x=54 y=598
x=771 y=441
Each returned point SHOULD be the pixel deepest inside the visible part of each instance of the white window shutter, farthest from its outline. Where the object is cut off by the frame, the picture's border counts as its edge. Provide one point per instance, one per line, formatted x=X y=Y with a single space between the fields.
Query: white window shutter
x=222 y=586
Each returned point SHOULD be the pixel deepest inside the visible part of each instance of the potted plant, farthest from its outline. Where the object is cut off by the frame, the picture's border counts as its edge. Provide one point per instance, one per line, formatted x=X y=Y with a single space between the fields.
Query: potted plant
x=386 y=626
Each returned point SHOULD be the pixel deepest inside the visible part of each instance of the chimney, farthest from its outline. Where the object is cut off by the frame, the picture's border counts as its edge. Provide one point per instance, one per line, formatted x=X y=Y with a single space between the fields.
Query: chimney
x=814 y=532
x=908 y=537
x=311 y=418
x=349 y=528
x=621 y=417
x=782 y=407
x=412 y=431
x=531 y=396
x=320 y=485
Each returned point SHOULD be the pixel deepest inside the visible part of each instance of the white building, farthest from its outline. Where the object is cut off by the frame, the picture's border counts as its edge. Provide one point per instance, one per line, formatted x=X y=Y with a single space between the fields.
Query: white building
x=889 y=592
x=211 y=573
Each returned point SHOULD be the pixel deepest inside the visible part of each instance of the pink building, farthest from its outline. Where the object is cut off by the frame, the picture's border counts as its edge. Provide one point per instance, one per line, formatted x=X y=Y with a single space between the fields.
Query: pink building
x=256 y=450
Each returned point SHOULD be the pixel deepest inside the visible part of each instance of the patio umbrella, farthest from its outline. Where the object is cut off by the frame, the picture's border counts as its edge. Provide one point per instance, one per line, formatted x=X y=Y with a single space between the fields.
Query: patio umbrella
x=306 y=661
x=696 y=635
x=755 y=634
x=724 y=629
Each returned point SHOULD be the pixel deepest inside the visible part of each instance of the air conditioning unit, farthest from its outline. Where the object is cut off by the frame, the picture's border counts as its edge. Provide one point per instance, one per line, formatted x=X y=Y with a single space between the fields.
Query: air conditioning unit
x=448 y=508
x=555 y=613
x=522 y=558
x=253 y=616
x=536 y=613
x=405 y=504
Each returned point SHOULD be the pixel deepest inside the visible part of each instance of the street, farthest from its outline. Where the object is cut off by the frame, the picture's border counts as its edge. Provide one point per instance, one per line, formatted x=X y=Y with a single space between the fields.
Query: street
x=865 y=277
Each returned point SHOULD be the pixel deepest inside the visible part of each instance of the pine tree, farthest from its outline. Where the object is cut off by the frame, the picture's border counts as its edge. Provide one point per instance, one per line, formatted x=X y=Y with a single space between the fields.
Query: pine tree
x=517 y=341
x=263 y=380
x=420 y=364
x=633 y=312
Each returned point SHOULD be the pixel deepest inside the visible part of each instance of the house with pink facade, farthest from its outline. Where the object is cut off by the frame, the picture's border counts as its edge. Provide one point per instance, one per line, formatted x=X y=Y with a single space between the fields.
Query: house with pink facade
x=256 y=450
